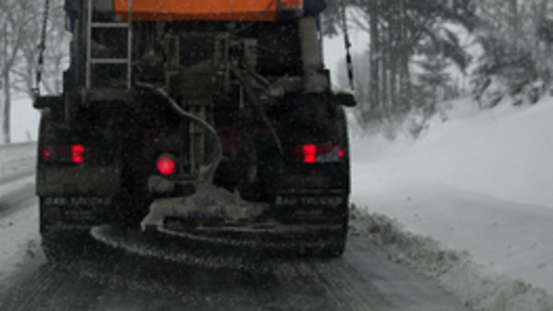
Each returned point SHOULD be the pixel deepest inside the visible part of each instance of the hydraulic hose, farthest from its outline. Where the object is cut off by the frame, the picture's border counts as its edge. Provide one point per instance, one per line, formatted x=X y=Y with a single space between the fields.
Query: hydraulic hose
x=208 y=170
x=255 y=102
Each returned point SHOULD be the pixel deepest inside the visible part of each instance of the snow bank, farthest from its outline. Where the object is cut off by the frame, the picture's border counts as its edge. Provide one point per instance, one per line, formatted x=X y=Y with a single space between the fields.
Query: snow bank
x=17 y=159
x=454 y=270
x=480 y=181
x=505 y=152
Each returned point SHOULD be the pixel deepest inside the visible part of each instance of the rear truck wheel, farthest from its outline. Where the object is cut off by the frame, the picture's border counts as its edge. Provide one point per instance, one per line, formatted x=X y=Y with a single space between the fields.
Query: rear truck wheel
x=330 y=241
x=334 y=250
x=60 y=242
x=77 y=182
x=326 y=182
x=336 y=245
x=66 y=245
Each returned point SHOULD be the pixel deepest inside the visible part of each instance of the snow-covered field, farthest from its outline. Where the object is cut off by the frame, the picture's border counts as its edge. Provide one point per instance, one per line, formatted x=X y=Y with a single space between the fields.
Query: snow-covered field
x=478 y=181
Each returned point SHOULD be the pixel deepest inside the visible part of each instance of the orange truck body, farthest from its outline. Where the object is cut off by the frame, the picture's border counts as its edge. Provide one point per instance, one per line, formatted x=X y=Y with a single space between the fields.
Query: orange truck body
x=203 y=10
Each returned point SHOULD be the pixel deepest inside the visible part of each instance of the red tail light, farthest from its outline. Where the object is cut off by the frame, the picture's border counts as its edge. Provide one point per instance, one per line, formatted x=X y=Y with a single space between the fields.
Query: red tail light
x=319 y=153
x=309 y=153
x=77 y=153
x=166 y=165
x=65 y=153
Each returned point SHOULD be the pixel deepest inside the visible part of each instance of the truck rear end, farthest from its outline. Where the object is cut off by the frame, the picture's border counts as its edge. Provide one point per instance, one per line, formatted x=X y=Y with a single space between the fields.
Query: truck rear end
x=211 y=118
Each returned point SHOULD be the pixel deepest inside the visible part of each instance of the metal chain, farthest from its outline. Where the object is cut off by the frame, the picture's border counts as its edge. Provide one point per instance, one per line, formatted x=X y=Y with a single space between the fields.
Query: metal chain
x=347 y=44
x=41 y=48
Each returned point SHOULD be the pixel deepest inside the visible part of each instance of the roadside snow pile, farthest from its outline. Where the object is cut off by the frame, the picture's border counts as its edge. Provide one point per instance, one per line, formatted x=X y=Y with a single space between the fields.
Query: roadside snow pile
x=480 y=181
x=456 y=271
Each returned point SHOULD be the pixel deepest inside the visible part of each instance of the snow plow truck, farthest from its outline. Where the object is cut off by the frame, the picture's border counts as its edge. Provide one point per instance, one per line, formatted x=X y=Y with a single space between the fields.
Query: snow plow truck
x=210 y=118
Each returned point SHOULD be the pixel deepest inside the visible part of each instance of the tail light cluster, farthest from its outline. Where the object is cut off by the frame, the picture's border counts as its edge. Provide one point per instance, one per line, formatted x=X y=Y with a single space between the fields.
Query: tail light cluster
x=66 y=153
x=319 y=153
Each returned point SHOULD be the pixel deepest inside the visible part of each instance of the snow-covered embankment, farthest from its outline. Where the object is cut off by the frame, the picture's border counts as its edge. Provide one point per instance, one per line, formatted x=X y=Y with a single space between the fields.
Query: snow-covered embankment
x=479 y=181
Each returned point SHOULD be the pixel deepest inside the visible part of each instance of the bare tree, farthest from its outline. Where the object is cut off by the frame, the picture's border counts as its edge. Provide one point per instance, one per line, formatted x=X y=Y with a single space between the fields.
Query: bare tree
x=514 y=21
x=16 y=20
x=20 y=37
x=397 y=29
x=55 y=53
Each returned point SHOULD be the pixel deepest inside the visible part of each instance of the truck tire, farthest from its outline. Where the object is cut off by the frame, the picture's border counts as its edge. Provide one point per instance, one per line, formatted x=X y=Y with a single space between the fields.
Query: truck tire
x=64 y=245
x=337 y=241
x=336 y=245
x=52 y=250
x=334 y=250
x=61 y=244
x=58 y=245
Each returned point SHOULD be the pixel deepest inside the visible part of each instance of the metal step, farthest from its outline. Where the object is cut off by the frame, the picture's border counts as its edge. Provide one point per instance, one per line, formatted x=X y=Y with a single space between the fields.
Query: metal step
x=107 y=95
